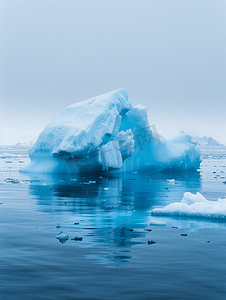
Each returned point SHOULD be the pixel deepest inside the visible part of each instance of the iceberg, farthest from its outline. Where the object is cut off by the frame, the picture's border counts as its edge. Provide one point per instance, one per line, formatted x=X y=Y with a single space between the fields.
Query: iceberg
x=196 y=206
x=106 y=133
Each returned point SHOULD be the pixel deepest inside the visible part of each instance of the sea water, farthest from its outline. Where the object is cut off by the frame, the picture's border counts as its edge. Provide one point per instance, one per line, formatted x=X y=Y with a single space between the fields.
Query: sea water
x=106 y=223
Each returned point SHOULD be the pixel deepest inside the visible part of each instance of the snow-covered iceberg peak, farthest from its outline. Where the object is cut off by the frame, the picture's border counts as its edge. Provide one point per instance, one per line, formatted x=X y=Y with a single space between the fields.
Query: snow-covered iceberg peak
x=105 y=133
x=82 y=127
x=81 y=137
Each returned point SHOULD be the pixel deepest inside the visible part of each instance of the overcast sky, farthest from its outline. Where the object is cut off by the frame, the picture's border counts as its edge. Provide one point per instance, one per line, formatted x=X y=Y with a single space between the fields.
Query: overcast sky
x=170 y=56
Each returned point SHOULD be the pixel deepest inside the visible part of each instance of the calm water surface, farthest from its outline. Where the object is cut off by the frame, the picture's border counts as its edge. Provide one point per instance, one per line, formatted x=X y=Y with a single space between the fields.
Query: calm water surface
x=112 y=215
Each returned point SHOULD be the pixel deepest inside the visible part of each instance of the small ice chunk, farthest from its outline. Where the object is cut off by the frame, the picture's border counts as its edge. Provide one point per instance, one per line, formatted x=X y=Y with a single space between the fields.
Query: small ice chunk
x=62 y=237
x=171 y=180
x=151 y=242
x=76 y=238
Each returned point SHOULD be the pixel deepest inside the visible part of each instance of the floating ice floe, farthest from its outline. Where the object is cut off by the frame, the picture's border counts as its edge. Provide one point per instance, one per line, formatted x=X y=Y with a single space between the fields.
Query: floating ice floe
x=194 y=205
x=107 y=133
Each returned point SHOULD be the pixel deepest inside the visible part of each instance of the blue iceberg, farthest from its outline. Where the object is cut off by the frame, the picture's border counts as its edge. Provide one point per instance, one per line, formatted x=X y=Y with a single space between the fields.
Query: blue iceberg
x=107 y=133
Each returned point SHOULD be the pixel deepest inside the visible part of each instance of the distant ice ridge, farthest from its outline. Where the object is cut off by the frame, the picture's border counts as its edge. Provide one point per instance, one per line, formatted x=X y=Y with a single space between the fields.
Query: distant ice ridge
x=202 y=141
x=107 y=133
x=194 y=205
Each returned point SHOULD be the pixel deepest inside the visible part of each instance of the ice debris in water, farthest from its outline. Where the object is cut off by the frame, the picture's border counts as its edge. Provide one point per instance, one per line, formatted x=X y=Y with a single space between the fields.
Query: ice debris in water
x=194 y=205
x=62 y=237
x=171 y=180
x=107 y=133
x=76 y=238
x=151 y=242
x=11 y=180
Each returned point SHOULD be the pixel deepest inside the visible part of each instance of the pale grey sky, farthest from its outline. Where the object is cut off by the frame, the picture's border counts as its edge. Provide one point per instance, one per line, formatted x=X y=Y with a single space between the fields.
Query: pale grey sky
x=169 y=55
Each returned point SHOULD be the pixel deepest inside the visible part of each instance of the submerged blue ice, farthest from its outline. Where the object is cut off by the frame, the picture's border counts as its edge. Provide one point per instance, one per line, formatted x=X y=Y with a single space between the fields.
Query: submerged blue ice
x=107 y=133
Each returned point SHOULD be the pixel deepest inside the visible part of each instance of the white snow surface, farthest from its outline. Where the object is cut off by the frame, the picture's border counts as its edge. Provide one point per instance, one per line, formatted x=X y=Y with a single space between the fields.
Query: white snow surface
x=107 y=133
x=194 y=205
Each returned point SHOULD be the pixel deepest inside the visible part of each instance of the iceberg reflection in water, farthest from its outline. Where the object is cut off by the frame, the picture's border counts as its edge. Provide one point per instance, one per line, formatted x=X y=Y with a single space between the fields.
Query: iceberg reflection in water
x=109 y=211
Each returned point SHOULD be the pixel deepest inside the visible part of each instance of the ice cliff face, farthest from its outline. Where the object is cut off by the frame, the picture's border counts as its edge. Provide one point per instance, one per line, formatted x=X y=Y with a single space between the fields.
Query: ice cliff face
x=106 y=133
